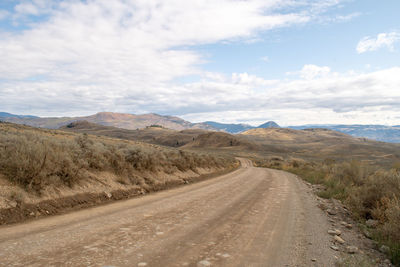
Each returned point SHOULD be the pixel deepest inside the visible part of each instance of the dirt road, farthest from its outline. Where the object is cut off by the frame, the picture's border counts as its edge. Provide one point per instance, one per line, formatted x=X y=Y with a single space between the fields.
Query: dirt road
x=251 y=217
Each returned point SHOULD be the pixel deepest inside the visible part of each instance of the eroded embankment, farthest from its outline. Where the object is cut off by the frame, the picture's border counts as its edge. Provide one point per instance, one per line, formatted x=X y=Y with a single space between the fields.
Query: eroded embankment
x=22 y=211
x=45 y=172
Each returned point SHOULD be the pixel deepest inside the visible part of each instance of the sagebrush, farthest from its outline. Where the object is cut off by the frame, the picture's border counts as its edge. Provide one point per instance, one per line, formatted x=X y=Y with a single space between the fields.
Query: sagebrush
x=35 y=158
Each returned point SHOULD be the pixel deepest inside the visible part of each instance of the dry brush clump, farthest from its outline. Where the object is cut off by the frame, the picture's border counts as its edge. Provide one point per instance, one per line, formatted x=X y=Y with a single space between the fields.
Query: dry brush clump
x=369 y=190
x=34 y=159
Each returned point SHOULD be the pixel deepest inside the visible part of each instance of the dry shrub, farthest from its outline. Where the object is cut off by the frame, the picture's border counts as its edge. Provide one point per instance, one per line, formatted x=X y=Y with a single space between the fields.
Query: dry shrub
x=390 y=228
x=374 y=192
x=34 y=158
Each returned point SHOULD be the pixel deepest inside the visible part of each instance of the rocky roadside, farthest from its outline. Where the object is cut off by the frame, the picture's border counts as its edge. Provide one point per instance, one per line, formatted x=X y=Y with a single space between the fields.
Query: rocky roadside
x=354 y=244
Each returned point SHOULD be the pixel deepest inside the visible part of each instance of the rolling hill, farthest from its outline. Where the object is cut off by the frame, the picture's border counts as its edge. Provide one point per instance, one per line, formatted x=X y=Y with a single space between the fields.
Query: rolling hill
x=238 y=128
x=120 y=120
x=221 y=140
x=376 y=132
x=319 y=144
x=133 y=122
x=9 y=115
x=150 y=134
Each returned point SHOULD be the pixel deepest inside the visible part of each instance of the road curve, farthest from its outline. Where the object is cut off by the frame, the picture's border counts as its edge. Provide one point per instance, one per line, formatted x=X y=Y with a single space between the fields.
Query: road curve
x=250 y=217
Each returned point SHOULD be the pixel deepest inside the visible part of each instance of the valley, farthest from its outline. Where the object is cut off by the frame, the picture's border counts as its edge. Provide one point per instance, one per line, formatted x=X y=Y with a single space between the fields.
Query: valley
x=82 y=165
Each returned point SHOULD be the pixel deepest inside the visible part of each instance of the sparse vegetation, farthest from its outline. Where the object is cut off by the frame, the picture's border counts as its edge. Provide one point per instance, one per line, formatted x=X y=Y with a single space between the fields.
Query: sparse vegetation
x=370 y=191
x=35 y=158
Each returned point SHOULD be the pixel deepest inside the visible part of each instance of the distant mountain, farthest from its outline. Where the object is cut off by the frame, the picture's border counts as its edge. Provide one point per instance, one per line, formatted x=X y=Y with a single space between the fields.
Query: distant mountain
x=9 y=115
x=238 y=128
x=230 y=128
x=269 y=124
x=120 y=120
x=382 y=133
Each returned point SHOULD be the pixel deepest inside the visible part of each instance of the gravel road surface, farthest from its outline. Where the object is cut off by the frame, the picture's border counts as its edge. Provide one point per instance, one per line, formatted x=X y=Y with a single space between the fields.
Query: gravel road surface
x=250 y=217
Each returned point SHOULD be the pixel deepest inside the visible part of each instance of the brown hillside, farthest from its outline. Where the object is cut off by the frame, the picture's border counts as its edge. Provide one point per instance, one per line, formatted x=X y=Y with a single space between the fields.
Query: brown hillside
x=290 y=135
x=220 y=140
x=41 y=164
x=321 y=144
x=153 y=135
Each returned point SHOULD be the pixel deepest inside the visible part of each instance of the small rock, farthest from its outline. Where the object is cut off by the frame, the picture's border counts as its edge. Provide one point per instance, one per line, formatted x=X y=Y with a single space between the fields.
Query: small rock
x=322 y=206
x=109 y=195
x=226 y=255
x=314 y=260
x=351 y=249
x=159 y=233
x=334 y=232
x=13 y=204
x=339 y=239
x=349 y=226
x=343 y=223
x=203 y=263
x=384 y=249
x=372 y=223
x=331 y=212
x=32 y=214
x=334 y=248
x=387 y=262
x=142 y=264
x=366 y=233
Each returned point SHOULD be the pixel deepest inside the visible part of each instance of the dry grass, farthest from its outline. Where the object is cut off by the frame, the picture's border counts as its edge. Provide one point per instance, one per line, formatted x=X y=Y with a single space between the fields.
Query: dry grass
x=317 y=144
x=150 y=134
x=36 y=158
x=370 y=191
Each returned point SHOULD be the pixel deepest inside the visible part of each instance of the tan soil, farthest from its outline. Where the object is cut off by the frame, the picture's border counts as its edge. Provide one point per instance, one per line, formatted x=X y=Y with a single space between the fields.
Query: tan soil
x=67 y=199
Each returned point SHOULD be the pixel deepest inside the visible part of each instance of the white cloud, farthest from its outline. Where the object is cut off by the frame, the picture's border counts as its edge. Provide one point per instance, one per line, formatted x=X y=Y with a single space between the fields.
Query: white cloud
x=135 y=42
x=344 y=18
x=382 y=40
x=339 y=18
x=128 y=56
x=311 y=71
x=248 y=79
x=265 y=59
x=338 y=98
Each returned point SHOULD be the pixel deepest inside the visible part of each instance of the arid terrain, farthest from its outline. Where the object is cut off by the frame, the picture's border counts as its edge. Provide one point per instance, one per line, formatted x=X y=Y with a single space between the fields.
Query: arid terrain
x=244 y=133
x=228 y=217
x=251 y=217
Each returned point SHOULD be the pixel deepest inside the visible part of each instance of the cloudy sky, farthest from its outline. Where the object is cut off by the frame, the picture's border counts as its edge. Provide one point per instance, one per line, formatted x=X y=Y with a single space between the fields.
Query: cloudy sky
x=292 y=61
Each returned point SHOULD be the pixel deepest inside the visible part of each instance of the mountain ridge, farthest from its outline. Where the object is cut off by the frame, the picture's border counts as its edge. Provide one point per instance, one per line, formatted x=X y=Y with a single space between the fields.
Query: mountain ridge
x=120 y=120
x=10 y=115
x=376 y=132
x=240 y=127
x=132 y=122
